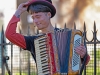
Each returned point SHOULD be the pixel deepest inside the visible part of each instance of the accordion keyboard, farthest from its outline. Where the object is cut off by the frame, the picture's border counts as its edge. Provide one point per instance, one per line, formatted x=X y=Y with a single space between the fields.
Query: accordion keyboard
x=41 y=56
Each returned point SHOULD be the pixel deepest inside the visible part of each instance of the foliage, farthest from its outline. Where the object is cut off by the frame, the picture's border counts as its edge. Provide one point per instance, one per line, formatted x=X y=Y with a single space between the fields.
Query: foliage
x=90 y=66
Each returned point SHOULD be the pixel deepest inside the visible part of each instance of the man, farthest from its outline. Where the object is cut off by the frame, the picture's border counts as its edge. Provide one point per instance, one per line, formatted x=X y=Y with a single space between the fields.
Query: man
x=42 y=11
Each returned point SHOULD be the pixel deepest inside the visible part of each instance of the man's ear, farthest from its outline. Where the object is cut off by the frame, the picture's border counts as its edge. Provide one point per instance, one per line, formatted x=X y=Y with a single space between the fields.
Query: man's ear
x=49 y=14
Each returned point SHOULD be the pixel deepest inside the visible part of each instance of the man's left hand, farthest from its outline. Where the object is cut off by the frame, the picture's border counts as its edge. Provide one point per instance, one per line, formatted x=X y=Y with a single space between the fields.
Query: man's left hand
x=81 y=50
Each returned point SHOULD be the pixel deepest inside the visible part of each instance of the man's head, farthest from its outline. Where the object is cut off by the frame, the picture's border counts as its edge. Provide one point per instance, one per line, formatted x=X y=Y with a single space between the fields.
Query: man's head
x=41 y=16
x=41 y=11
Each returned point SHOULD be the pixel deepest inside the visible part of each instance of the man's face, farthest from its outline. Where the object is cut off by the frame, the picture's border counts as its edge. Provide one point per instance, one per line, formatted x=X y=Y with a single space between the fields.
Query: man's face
x=41 y=19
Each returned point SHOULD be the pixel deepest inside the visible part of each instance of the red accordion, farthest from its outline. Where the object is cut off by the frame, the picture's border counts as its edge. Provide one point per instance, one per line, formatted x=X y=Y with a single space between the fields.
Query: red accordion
x=55 y=52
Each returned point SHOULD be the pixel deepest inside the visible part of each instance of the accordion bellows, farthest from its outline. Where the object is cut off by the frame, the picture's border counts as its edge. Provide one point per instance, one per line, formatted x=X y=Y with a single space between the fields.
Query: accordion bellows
x=55 y=52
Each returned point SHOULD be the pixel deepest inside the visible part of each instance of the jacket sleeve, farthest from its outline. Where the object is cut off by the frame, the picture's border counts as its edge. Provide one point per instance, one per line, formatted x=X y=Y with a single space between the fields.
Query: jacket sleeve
x=11 y=34
x=87 y=59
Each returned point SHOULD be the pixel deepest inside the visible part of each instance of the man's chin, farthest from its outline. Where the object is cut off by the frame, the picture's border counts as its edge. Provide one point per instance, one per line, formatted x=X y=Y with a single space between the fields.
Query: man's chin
x=39 y=28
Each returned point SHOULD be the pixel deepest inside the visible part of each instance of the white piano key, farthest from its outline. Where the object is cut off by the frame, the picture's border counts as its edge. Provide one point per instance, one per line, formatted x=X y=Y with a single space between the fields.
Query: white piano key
x=39 y=42
x=47 y=73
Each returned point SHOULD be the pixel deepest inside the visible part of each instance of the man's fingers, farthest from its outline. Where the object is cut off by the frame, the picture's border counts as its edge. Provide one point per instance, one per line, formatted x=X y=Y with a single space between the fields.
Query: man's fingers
x=81 y=50
x=80 y=53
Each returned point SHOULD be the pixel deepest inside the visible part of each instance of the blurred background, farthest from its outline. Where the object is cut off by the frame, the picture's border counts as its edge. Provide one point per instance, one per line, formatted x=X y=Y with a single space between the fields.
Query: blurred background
x=69 y=12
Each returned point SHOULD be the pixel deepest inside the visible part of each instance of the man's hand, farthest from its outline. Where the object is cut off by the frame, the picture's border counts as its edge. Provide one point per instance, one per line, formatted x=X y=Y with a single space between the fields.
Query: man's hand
x=21 y=8
x=81 y=50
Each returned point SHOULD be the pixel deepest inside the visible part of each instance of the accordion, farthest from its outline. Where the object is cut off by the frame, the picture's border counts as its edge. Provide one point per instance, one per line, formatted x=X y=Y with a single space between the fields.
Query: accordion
x=55 y=52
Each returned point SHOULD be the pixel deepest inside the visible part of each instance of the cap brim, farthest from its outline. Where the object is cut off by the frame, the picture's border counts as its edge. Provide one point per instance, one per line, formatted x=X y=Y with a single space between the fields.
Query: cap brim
x=44 y=3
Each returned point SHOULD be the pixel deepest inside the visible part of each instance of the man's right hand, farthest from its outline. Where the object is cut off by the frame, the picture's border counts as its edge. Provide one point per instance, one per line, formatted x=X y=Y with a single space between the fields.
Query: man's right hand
x=21 y=8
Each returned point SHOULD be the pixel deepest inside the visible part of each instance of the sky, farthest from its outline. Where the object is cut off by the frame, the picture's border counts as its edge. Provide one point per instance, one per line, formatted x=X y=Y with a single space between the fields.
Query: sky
x=5 y=3
x=7 y=7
